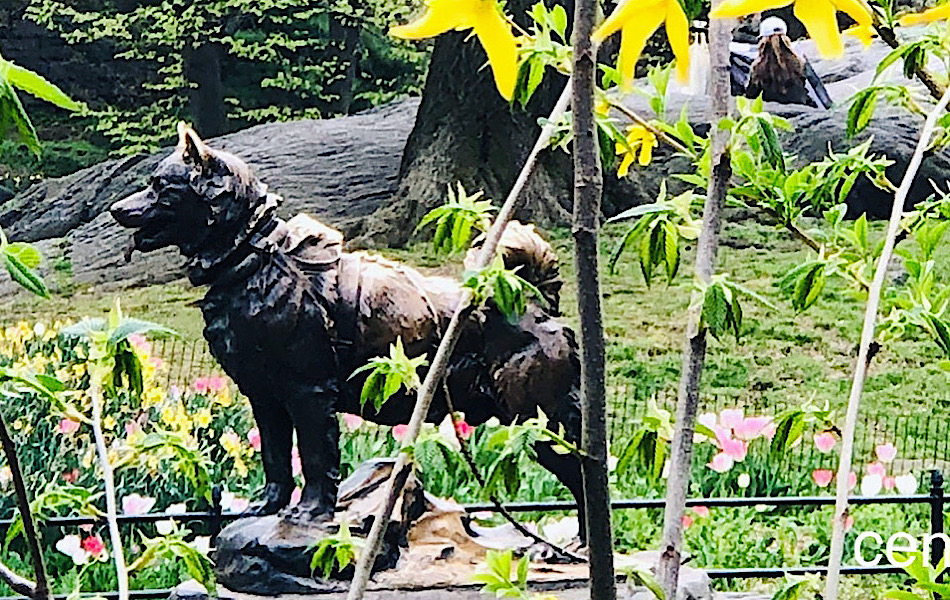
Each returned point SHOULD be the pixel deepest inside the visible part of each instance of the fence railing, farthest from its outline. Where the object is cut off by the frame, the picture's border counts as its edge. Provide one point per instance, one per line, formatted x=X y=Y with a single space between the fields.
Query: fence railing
x=935 y=499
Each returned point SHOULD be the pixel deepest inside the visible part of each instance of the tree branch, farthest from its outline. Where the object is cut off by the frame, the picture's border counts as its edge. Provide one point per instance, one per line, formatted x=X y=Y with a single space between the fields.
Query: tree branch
x=867 y=346
x=923 y=75
x=440 y=361
x=40 y=589
x=694 y=354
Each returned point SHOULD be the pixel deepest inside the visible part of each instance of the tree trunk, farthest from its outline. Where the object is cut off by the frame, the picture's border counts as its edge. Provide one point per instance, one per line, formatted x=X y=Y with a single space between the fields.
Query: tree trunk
x=694 y=353
x=588 y=187
x=345 y=38
x=206 y=101
x=465 y=132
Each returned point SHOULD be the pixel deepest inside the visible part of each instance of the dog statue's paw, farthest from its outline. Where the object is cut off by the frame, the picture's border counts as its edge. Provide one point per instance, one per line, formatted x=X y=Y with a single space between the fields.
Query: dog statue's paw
x=306 y=512
x=276 y=497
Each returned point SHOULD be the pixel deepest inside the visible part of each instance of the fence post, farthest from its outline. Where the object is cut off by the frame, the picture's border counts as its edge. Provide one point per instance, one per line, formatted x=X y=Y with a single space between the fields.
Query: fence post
x=936 y=518
x=215 y=513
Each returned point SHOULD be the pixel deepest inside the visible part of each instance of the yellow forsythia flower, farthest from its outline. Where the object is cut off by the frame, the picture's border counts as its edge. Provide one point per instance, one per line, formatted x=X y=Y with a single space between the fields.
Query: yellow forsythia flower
x=637 y=20
x=488 y=22
x=639 y=138
x=818 y=16
x=930 y=15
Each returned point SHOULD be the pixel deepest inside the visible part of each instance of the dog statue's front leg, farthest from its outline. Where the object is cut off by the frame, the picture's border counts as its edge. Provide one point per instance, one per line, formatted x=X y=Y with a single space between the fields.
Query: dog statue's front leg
x=318 y=440
x=276 y=429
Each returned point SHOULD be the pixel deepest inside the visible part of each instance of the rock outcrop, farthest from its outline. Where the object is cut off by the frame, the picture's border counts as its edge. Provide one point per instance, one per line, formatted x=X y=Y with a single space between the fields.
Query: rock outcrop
x=343 y=170
x=339 y=170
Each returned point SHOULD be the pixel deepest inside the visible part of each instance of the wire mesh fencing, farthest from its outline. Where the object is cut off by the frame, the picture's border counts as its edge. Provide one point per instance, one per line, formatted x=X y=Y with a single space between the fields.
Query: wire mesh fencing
x=922 y=440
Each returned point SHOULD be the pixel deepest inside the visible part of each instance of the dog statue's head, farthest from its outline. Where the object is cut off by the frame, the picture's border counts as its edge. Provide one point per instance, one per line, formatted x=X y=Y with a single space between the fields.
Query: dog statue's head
x=201 y=200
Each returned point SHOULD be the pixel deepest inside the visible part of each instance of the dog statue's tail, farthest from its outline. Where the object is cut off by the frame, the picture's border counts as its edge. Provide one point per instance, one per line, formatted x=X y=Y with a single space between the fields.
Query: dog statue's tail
x=522 y=246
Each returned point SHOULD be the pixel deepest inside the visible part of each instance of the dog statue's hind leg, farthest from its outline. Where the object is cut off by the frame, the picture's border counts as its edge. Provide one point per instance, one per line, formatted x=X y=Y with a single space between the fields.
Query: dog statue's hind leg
x=276 y=429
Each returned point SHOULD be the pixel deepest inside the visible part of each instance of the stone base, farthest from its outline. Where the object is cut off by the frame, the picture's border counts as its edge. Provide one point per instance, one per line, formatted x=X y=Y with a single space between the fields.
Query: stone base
x=430 y=546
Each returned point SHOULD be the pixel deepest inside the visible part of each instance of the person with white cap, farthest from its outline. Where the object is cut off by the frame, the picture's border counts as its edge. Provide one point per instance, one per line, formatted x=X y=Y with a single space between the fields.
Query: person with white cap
x=778 y=73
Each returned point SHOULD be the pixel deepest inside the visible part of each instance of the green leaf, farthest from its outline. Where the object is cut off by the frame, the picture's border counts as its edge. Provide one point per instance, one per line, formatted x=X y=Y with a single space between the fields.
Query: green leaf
x=128 y=327
x=861 y=111
x=770 y=144
x=13 y=116
x=36 y=85
x=24 y=276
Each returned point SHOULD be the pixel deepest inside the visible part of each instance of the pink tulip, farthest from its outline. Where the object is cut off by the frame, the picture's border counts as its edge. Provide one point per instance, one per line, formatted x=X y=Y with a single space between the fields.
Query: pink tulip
x=352 y=422
x=68 y=426
x=254 y=438
x=752 y=427
x=240 y=505
x=886 y=452
x=136 y=340
x=877 y=468
x=889 y=483
x=825 y=441
x=201 y=385
x=464 y=430
x=848 y=522
x=136 y=504
x=721 y=463
x=701 y=511
x=216 y=384
x=70 y=476
x=822 y=477
x=295 y=464
x=852 y=480
x=400 y=431
x=295 y=496
x=735 y=449
x=94 y=546
x=731 y=417
x=687 y=521
x=769 y=430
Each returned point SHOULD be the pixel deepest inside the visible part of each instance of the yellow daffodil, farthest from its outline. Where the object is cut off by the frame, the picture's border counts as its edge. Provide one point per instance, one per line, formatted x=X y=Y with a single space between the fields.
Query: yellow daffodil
x=936 y=13
x=487 y=21
x=818 y=16
x=637 y=20
x=638 y=137
x=203 y=417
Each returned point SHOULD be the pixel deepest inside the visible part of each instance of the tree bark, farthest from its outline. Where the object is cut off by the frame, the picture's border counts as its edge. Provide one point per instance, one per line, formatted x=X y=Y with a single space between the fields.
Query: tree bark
x=465 y=132
x=588 y=188
x=694 y=353
x=206 y=100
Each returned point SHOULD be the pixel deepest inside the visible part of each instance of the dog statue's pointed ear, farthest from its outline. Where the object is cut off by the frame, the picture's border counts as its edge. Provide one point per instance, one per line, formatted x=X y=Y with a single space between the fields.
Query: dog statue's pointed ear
x=193 y=150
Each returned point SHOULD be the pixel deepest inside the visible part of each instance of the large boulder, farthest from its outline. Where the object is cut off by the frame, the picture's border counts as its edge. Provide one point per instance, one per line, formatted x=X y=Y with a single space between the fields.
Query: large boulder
x=339 y=170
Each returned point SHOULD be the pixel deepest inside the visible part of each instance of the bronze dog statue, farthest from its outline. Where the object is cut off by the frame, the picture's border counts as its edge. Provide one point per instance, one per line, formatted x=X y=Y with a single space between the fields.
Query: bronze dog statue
x=290 y=316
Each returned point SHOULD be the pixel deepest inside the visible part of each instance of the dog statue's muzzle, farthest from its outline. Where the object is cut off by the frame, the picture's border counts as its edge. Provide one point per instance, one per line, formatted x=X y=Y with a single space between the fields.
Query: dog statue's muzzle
x=131 y=212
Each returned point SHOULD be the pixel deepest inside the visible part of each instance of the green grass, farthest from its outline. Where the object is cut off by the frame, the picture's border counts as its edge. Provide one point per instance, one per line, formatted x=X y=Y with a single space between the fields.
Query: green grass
x=782 y=359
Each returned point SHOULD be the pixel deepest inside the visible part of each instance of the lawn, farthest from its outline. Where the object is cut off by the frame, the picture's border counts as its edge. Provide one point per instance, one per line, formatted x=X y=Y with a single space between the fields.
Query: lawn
x=782 y=359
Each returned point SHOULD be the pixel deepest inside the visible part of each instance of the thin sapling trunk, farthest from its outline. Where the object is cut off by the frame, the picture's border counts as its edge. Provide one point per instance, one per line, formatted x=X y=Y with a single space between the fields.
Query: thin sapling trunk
x=440 y=362
x=588 y=186
x=864 y=351
x=694 y=353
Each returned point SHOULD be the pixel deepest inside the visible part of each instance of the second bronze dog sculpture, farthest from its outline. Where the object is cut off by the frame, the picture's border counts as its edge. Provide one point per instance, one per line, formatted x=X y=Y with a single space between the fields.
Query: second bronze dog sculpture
x=290 y=316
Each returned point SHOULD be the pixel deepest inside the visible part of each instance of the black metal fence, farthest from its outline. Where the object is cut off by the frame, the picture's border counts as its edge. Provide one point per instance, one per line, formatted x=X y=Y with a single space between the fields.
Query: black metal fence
x=935 y=499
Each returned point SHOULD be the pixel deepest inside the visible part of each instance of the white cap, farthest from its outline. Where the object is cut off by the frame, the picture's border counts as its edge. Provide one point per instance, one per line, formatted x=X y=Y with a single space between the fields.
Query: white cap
x=771 y=26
